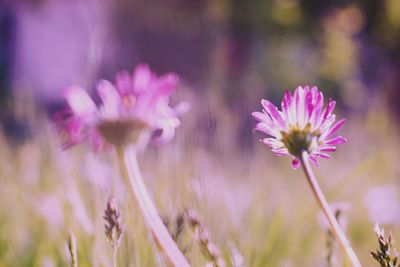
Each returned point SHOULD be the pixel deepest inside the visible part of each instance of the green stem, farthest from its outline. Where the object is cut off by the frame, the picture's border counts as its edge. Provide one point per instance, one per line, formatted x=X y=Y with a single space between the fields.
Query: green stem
x=334 y=225
x=132 y=176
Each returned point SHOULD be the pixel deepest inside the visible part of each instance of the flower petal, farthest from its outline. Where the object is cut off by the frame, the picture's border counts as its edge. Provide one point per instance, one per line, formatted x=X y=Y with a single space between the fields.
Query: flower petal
x=123 y=82
x=314 y=160
x=110 y=98
x=167 y=83
x=142 y=78
x=261 y=116
x=338 y=140
x=273 y=112
x=296 y=163
x=334 y=129
x=322 y=155
x=79 y=101
x=327 y=149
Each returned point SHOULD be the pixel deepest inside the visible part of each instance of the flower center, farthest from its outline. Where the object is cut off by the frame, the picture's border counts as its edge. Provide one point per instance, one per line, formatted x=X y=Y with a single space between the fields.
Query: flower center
x=298 y=140
x=122 y=131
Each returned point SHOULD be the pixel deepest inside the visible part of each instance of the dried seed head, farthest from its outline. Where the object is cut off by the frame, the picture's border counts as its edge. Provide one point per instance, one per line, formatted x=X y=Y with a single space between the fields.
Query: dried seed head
x=113 y=227
x=203 y=236
x=193 y=217
x=175 y=226
x=386 y=255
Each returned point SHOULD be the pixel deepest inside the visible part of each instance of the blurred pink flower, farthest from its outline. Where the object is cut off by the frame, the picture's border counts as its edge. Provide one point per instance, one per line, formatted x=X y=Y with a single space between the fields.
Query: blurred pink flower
x=383 y=204
x=136 y=104
x=302 y=125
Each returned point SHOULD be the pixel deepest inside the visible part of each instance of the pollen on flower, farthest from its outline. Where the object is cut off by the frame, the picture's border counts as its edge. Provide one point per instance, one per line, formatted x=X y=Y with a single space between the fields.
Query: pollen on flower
x=129 y=101
x=302 y=124
x=298 y=140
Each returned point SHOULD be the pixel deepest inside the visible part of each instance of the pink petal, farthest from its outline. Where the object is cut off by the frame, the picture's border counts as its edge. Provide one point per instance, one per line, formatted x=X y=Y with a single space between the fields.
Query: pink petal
x=123 y=82
x=286 y=102
x=260 y=116
x=297 y=101
x=272 y=111
x=328 y=149
x=181 y=108
x=322 y=155
x=108 y=93
x=336 y=140
x=314 y=160
x=328 y=110
x=79 y=101
x=324 y=127
x=262 y=127
x=314 y=91
x=167 y=83
x=318 y=107
x=280 y=151
x=295 y=163
x=309 y=105
x=274 y=144
x=142 y=78
x=110 y=98
x=163 y=87
x=72 y=132
x=335 y=128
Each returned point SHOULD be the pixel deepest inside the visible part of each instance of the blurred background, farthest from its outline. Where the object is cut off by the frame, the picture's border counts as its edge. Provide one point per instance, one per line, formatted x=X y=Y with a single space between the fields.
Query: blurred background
x=229 y=54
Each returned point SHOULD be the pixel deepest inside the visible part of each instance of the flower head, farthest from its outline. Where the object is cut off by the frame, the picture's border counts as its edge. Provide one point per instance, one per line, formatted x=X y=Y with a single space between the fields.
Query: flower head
x=304 y=124
x=387 y=255
x=136 y=104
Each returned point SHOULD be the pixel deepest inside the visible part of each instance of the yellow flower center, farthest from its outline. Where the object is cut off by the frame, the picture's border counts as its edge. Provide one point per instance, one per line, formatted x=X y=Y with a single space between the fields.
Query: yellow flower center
x=297 y=140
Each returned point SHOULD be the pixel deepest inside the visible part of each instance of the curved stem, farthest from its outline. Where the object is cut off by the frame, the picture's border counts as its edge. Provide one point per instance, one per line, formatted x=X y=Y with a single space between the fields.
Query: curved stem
x=130 y=171
x=334 y=225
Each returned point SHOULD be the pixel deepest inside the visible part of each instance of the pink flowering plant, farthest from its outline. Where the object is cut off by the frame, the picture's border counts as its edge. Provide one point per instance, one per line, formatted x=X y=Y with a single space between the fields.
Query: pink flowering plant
x=305 y=129
x=303 y=124
x=134 y=107
x=131 y=111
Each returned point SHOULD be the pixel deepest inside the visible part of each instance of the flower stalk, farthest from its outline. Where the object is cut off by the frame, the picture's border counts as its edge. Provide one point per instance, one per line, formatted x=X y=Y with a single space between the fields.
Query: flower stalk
x=322 y=202
x=133 y=178
x=72 y=250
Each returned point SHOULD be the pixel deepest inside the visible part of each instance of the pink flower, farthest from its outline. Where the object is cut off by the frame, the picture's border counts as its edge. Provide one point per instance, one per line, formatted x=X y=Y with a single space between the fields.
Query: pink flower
x=302 y=125
x=135 y=105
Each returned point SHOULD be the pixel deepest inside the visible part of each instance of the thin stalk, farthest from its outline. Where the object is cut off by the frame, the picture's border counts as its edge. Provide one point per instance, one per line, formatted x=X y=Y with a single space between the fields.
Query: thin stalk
x=115 y=250
x=334 y=225
x=132 y=176
x=72 y=250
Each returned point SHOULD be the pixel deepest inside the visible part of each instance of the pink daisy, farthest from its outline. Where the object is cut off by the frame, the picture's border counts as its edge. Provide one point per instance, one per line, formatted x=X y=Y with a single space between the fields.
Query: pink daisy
x=302 y=125
x=135 y=105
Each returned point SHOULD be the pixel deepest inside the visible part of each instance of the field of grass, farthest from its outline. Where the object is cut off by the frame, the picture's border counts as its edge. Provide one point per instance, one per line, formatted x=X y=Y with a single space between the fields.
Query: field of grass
x=256 y=207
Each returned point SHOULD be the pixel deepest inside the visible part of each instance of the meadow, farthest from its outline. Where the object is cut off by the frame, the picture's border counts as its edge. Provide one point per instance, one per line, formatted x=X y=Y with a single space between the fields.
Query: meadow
x=258 y=210
x=71 y=193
